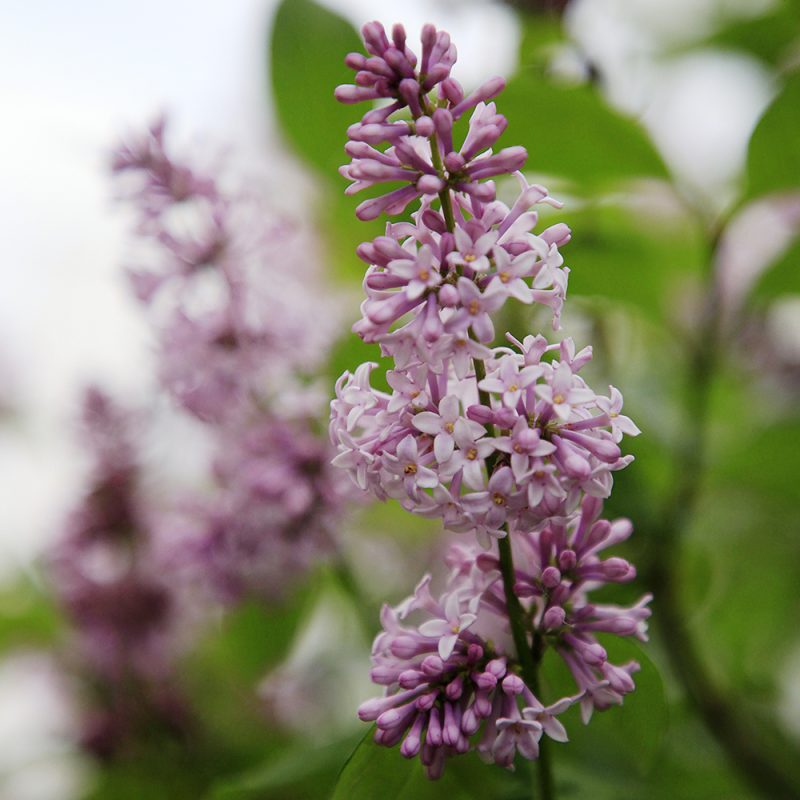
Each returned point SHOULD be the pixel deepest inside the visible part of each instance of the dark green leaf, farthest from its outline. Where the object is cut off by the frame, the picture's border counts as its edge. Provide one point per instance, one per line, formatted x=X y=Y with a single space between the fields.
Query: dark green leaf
x=624 y=739
x=292 y=767
x=374 y=772
x=773 y=158
x=308 y=47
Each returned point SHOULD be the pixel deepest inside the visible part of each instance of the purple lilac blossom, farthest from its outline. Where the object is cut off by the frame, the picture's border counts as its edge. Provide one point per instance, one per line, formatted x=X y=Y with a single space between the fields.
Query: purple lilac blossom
x=452 y=680
x=125 y=618
x=230 y=286
x=506 y=442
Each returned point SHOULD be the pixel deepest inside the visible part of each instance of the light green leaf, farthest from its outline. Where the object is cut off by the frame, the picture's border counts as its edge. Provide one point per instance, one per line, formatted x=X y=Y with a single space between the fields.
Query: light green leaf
x=781 y=278
x=629 y=258
x=570 y=131
x=773 y=158
x=768 y=36
x=307 y=53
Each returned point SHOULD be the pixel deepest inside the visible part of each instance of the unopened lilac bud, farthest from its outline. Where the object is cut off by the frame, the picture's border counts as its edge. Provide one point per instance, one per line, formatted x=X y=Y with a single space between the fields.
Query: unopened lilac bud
x=558 y=234
x=567 y=560
x=434 y=734
x=430 y=184
x=554 y=617
x=451 y=729
x=478 y=413
x=505 y=417
x=455 y=688
x=484 y=92
x=405 y=646
x=409 y=678
x=474 y=652
x=355 y=60
x=448 y=296
x=513 y=684
x=425 y=701
x=413 y=740
x=451 y=90
x=424 y=126
x=551 y=577
x=618 y=678
x=383 y=675
x=485 y=680
x=397 y=717
x=454 y=162
x=432 y=666
x=433 y=220
x=470 y=721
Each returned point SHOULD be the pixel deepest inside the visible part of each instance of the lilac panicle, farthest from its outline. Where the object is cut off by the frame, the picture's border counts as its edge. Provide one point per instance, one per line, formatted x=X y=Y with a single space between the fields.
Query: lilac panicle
x=503 y=441
x=125 y=618
x=452 y=682
x=230 y=285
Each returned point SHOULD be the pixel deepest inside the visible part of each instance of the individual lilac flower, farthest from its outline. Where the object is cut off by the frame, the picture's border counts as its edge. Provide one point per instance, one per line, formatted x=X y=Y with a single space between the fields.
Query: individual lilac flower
x=473 y=244
x=407 y=463
x=620 y=424
x=524 y=444
x=510 y=381
x=562 y=393
x=475 y=308
x=448 y=628
x=442 y=426
x=468 y=458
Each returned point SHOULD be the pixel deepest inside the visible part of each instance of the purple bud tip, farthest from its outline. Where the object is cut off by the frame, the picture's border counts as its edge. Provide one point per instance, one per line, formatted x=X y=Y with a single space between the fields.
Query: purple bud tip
x=449 y=297
x=554 y=617
x=512 y=684
x=424 y=126
x=551 y=577
x=430 y=184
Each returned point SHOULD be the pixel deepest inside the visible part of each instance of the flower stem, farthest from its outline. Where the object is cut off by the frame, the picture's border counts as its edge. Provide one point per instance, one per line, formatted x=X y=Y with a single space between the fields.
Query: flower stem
x=528 y=655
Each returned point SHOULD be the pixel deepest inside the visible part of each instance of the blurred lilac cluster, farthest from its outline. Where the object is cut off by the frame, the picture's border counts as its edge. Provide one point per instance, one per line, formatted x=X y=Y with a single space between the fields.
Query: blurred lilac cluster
x=507 y=443
x=124 y=614
x=231 y=286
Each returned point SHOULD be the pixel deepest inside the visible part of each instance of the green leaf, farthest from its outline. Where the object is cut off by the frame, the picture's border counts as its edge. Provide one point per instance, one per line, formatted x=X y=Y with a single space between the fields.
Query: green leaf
x=625 y=740
x=781 y=278
x=374 y=772
x=28 y=617
x=293 y=767
x=773 y=158
x=768 y=36
x=622 y=255
x=307 y=51
x=570 y=131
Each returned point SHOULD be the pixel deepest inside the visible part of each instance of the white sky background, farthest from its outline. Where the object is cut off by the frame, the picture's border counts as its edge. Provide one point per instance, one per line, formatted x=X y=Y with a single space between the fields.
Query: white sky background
x=74 y=75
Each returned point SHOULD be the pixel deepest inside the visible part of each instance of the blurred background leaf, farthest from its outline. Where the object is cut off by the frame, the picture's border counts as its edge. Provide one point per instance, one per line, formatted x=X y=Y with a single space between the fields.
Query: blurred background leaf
x=773 y=158
x=307 y=51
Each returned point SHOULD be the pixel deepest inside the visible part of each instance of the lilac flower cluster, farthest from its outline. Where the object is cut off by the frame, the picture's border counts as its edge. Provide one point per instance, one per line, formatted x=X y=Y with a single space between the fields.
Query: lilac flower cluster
x=230 y=285
x=507 y=442
x=454 y=677
x=125 y=618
